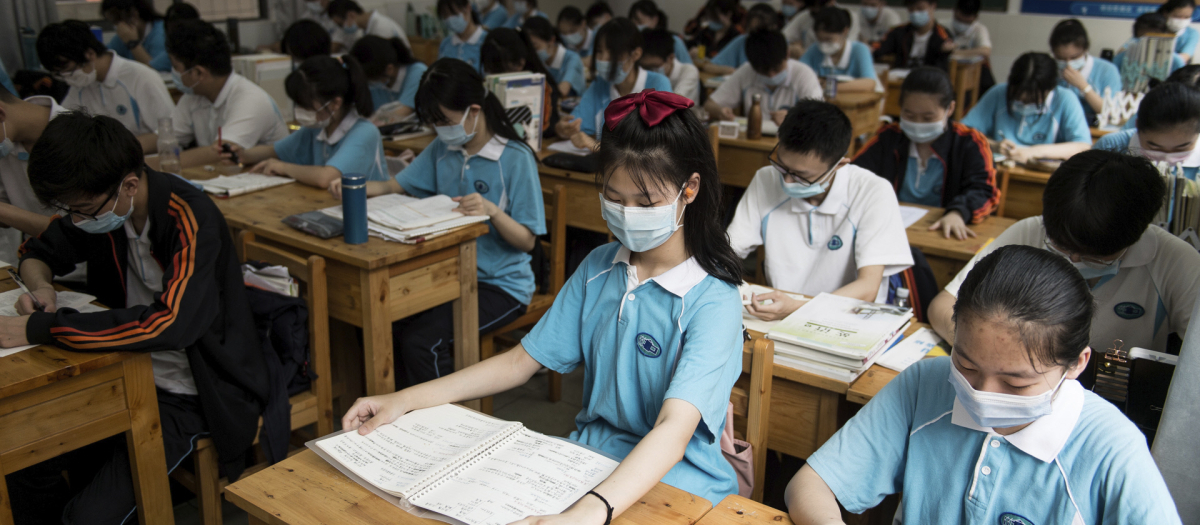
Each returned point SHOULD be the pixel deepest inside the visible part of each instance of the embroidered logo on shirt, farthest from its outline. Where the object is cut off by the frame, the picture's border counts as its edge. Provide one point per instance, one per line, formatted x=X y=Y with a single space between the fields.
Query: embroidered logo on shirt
x=121 y=110
x=835 y=243
x=481 y=187
x=648 y=346
x=1009 y=518
x=1129 y=310
x=1039 y=137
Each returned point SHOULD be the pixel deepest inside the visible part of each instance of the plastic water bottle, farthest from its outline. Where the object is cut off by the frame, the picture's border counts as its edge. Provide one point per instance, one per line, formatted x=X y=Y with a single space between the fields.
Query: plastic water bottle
x=168 y=147
x=902 y=298
x=354 y=208
x=830 y=87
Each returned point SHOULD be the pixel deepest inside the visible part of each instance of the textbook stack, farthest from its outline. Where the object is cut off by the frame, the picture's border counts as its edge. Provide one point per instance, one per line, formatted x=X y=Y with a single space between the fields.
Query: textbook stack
x=401 y=218
x=837 y=337
x=1180 y=213
x=268 y=70
x=523 y=96
x=1146 y=58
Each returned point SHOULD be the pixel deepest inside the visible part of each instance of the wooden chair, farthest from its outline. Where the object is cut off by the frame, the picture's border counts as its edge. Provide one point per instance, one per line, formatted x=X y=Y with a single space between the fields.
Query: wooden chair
x=314 y=406
x=556 y=214
x=751 y=398
x=965 y=77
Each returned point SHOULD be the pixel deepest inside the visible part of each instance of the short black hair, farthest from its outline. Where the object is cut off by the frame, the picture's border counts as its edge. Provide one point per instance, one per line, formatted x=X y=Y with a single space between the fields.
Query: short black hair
x=816 y=127
x=649 y=8
x=967 y=7
x=540 y=28
x=762 y=15
x=504 y=49
x=339 y=8
x=1069 y=32
x=765 y=50
x=144 y=8
x=832 y=20
x=619 y=37
x=570 y=15
x=81 y=156
x=305 y=39
x=66 y=41
x=722 y=7
x=179 y=11
x=1187 y=75
x=657 y=43
x=1170 y=105
x=1098 y=202
x=199 y=43
x=375 y=53
x=930 y=81
x=1149 y=23
x=1032 y=74
x=597 y=10
x=1171 y=5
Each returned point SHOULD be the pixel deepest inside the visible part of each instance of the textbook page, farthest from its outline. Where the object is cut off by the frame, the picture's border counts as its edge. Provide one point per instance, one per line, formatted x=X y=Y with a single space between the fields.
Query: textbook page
x=78 y=301
x=530 y=474
x=911 y=214
x=232 y=186
x=425 y=212
x=374 y=203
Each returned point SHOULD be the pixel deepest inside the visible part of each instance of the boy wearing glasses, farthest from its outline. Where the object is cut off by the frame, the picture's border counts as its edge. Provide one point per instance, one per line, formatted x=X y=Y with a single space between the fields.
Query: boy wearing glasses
x=826 y=225
x=159 y=254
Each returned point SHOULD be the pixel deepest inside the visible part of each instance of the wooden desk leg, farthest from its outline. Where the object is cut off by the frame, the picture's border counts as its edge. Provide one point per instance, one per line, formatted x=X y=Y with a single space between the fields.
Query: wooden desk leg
x=466 y=314
x=827 y=417
x=1003 y=192
x=377 y=332
x=148 y=462
x=6 y=517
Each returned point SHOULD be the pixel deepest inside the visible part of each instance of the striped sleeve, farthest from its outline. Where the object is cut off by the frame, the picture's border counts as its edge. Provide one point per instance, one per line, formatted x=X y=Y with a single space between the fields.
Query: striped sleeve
x=980 y=194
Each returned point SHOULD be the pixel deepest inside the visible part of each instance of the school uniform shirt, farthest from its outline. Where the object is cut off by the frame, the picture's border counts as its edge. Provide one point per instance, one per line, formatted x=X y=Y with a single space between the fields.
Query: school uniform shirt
x=15 y=188
x=567 y=67
x=379 y=25
x=681 y=50
x=741 y=86
x=1062 y=119
x=1186 y=40
x=467 y=51
x=685 y=81
x=872 y=33
x=733 y=54
x=243 y=113
x=641 y=342
x=144 y=278
x=354 y=147
x=506 y=175
x=800 y=27
x=813 y=249
x=494 y=17
x=1151 y=296
x=131 y=92
x=1082 y=463
x=402 y=89
x=1100 y=74
x=1126 y=141
x=975 y=37
x=154 y=42
x=855 y=62
x=6 y=81
x=601 y=92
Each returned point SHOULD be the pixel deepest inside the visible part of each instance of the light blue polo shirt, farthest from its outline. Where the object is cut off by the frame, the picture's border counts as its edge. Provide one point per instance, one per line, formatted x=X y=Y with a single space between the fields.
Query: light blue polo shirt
x=923 y=187
x=404 y=91
x=354 y=147
x=496 y=17
x=468 y=51
x=517 y=20
x=630 y=336
x=1121 y=142
x=1103 y=75
x=568 y=67
x=1062 y=122
x=858 y=64
x=594 y=101
x=155 y=43
x=503 y=173
x=1186 y=42
x=681 y=51
x=1083 y=463
x=733 y=54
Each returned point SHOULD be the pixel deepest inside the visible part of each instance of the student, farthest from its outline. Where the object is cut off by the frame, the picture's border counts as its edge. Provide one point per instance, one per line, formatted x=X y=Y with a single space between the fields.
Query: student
x=877 y=20
x=564 y=65
x=1167 y=129
x=931 y=160
x=618 y=50
x=1179 y=21
x=645 y=14
x=141 y=35
x=761 y=16
x=329 y=96
x=598 y=14
x=159 y=254
x=521 y=10
x=22 y=122
x=838 y=55
x=781 y=81
x=508 y=51
x=972 y=41
x=480 y=161
x=216 y=103
x=1031 y=116
x=827 y=226
x=1097 y=214
x=1085 y=75
x=102 y=82
x=799 y=31
x=305 y=39
x=466 y=35
x=314 y=11
x=647 y=400
x=1186 y=75
x=1147 y=23
x=1002 y=418
x=576 y=35
x=920 y=42
x=356 y=23
x=719 y=29
x=179 y=11
x=493 y=15
x=789 y=9
x=393 y=73
x=659 y=57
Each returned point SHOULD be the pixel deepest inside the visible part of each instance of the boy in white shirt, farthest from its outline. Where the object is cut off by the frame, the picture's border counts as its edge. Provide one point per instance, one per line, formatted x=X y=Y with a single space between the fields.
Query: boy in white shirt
x=827 y=225
x=799 y=30
x=877 y=20
x=21 y=122
x=782 y=82
x=355 y=23
x=658 y=55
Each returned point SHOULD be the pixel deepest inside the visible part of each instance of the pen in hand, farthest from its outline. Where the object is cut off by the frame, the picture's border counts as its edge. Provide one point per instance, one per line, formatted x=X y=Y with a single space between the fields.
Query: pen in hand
x=37 y=304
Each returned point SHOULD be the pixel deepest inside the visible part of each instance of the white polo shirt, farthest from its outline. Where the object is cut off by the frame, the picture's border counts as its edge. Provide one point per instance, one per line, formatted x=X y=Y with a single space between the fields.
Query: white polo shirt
x=379 y=25
x=813 y=249
x=245 y=114
x=131 y=92
x=800 y=28
x=685 y=81
x=172 y=372
x=15 y=189
x=741 y=86
x=1151 y=296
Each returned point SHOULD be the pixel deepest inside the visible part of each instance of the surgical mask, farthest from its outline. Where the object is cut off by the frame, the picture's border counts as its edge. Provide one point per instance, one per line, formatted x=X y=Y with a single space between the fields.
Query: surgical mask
x=995 y=410
x=922 y=132
x=1028 y=110
x=456 y=134
x=573 y=39
x=776 y=80
x=455 y=24
x=603 y=67
x=869 y=12
x=715 y=25
x=797 y=190
x=177 y=77
x=642 y=27
x=789 y=10
x=641 y=229
x=1169 y=158
x=1091 y=271
x=829 y=48
x=106 y=222
x=350 y=28
x=520 y=6
x=919 y=18
x=961 y=27
x=543 y=55
x=1176 y=25
x=314 y=7
x=308 y=118
x=79 y=79
x=7 y=146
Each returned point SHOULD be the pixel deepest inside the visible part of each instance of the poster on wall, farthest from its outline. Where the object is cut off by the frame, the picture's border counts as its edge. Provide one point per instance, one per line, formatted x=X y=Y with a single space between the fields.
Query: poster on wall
x=1127 y=9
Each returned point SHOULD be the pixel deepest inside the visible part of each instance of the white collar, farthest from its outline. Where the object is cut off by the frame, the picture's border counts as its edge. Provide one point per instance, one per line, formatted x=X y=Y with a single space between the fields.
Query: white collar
x=1046 y=436
x=678 y=280
x=638 y=84
x=343 y=128
x=1193 y=160
x=837 y=194
x=114 y=70
x=475 y=37
x=844 y=62
x=676 y=71
x=491 y=151
x=557 y=62
x=48 y=102
x=224 y=95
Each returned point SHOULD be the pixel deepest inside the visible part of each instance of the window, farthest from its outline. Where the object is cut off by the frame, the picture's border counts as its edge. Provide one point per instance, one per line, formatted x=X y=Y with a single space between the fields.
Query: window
x=212 y=10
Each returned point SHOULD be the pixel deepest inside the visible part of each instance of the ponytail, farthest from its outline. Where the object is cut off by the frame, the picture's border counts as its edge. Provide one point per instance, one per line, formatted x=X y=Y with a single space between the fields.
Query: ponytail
x=503 y=49
x=453 y=84
x=375 y=53
x=323 y=78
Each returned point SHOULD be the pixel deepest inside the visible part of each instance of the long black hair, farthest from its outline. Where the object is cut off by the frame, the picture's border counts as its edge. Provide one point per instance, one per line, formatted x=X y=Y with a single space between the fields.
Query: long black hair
x=649 y=8
x=1035 y=292
x=541 y=29
x=665 y=157
x=1034 y=75
x=446 y=8
x=1171 y=5
x=930 y=81
x=504 y=49
x=1098 y=202
x=454 y=84
x=375 y=53
x=323 y=78
x=619 y=37
x=1168 y=106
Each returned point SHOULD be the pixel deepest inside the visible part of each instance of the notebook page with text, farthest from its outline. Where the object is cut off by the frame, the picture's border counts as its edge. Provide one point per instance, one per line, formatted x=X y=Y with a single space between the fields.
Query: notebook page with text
x=427 y=211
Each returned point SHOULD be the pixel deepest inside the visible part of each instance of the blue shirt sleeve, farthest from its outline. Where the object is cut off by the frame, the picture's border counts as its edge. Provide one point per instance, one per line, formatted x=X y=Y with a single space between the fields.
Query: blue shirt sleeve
x=1176 y=63
x=1105 y=75
x=733 y=54
x=118 y=46
x=412 y=81
x=681 y=51
x=983 y=116
x=1186 y=43
x=572 y=71
x=861 y=63
x=1116 y=142
x=525 y=203
x=296 y=148
x=513 y=21
x=1131 y=123
x=360 y=151
x=155 y=43
x=380 y=95
x=495 y=19
x=1073 y=127
x=588 y=107
x=658 y=82
x=161 y=62
x=711 y=356
x=6 y=81
x=419 y=179
x=556 y=341
x=813 y=58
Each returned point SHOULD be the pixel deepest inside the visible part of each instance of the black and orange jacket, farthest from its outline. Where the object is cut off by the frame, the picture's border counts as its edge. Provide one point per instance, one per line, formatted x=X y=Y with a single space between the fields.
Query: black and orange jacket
x=203 y=307
x=969 y=183
x=898 y=44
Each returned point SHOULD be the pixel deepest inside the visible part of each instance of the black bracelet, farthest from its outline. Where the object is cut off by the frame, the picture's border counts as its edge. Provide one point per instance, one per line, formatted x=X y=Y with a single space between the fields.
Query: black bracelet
x=607 y=520
x=132 y=44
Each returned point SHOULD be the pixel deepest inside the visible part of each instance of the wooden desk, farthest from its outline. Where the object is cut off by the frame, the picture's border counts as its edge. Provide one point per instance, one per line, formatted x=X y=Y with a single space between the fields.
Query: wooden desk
x=53 y=401
x=891 y=103
x=863 y=110
x=739 y=159
x=947 y=256
x=305 y=489
x=1021 y=191
x=964 y=75
x=736 y=510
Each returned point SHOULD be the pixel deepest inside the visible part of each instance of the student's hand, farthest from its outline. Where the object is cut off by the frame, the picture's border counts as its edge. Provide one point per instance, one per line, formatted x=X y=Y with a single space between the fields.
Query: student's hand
x=727 y=114
x=948 y=46
x=474 y=204
x=335 y=188
x=1006 y=147
x=369 y=413
x=583 y=141
x=12 y=333
x=952 y=224
x=778 y=116
x=126 y=31
x=269 y=167
x=589 y=510
x=1074 y=78
x=782 y=305
x=227 y=157
x=46 y=295
x=795 y=50
x=567 y=127
x=1021 y=154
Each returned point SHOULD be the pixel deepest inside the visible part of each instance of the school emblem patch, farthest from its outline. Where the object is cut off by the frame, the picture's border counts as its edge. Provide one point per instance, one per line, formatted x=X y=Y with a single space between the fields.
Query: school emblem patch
x=121 y=109
x=648 y=346
x=1129 y=310
x=1009 y=518
x=835 y=243
x=1039 y=137
x=481 y=187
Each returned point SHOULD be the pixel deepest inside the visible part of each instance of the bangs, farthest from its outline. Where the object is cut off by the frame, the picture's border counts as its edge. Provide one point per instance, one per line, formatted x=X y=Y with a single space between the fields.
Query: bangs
x=300 y=89
x=429 y=109
x=649 y=169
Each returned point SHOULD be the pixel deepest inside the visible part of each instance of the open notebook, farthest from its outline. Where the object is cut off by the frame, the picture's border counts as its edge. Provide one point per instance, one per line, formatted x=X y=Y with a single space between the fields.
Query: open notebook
x=406 y=219
x=457 y=465
x=74 y=300
x=241 y=184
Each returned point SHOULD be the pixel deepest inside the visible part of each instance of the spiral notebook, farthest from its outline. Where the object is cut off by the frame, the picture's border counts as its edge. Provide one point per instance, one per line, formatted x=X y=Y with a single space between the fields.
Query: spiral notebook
x=459 y=466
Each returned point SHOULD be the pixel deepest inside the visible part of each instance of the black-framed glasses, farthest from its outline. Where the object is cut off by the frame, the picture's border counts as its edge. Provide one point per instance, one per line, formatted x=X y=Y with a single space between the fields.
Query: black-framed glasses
x=786 y=172
x=86 y=216
x=1092 y=262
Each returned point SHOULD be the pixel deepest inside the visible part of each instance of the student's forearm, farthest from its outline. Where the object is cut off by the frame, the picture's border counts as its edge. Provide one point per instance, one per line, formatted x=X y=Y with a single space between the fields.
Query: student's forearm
x=564 y=88
x=866 y=286
x=29 y=223
x=513 y=232
x=383 y=187
x=1093 y=99
x=713 y=109
x=857 y=85
x=199 y=156
x=149 y=143
x=36 y=274
x=1064 y=150
x=941 y=315
x=810 y=501
x=257 y=154
x=491 y=376
x=140 y=54
x=717 y=69
x=319 y=176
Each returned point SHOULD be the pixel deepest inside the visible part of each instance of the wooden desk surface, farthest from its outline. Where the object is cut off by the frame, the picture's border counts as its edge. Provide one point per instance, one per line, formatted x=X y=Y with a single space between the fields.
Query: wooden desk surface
x=856 y=99
x=305 y=489
x=1022 y=173
x=932 y=243
x=736 y=510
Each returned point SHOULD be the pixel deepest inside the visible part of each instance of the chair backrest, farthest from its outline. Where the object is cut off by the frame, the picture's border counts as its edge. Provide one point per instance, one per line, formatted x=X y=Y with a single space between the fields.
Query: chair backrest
x=311 y=274
x=555 y=199
x=751 y=398
x=715 y=138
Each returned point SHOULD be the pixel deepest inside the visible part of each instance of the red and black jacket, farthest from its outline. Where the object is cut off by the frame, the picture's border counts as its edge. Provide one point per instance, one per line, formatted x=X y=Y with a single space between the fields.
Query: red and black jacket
x=969 y=183
x=202 y=309
x=898 y=45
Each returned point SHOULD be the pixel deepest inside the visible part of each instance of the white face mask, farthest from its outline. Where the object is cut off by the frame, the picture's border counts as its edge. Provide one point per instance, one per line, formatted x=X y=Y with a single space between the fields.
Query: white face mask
x=79 y=79
x=829 y=48
x=1176 y=25
x=308 y=118
x=1169 y=158
x=995 y=410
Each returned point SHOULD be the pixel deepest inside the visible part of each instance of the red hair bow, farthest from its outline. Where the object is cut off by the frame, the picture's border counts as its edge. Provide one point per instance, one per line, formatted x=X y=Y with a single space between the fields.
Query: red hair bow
x=654 y=106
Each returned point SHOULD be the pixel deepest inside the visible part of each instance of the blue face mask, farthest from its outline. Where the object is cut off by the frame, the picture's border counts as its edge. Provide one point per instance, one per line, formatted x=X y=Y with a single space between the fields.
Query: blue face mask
x=573 y=39
x=715 y=25
x=1027 y=110
x=776 y=80
x=604 y=67
x=869 y=12
x=799 y=190
x=641 y=229
x=996 y=410
x=788 y=10
x=1091 y=271
x=543 y=55
x=456 y=135
x=455 y=24
x=177 y=77
x=642 y=27
x=6 y=147
x=919 y=18
x=350 y=29
x=106 y=222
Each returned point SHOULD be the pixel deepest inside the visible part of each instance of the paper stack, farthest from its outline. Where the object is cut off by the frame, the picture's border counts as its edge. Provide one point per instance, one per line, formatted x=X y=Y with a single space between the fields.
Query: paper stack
x=409 y=220
x=241 y=184
x=837 y=337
